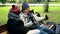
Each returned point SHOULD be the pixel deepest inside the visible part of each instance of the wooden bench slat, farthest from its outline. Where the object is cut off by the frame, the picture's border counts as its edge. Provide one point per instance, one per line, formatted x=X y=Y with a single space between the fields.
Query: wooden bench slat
x=3 y=28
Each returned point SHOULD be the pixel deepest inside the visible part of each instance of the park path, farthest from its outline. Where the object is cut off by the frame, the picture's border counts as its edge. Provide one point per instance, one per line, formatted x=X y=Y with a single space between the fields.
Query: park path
x=31 y=4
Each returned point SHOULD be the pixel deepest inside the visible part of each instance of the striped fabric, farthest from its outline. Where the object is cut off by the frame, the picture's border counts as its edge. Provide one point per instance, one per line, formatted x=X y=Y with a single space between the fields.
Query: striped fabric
x=58 y=29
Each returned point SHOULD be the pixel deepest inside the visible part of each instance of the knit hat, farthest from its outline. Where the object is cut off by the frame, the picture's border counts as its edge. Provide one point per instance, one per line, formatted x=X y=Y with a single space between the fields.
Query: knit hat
x=24 y=6
x=15 y=9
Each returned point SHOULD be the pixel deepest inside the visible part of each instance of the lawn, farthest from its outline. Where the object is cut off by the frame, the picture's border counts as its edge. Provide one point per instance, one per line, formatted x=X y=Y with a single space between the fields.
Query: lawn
x=49 y=2
x=54 y=2
x=54 y=13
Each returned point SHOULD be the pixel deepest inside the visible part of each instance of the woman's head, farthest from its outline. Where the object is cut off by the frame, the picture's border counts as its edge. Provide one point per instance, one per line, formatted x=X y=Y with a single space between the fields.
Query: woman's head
x=15 y=9
x=13 y=6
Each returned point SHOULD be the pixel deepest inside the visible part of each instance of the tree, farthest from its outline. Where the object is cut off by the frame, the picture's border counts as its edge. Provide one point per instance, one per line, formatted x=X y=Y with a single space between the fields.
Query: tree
x=30 y=1
x=26 y=0
x=18 y=2
x=3 y=1
x=42 y=0
x=46 y=6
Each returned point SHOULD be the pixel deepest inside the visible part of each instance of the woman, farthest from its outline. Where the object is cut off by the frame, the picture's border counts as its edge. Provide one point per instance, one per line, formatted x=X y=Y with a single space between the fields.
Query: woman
x=14 y=24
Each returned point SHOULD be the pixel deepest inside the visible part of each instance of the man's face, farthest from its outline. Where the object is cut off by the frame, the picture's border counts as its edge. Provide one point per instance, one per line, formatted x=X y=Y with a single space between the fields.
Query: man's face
x=26 y=10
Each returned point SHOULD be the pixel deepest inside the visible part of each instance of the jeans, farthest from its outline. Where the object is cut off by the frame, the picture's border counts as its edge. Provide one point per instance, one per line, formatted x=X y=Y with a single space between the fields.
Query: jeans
x=43 y=32
x=49 y=31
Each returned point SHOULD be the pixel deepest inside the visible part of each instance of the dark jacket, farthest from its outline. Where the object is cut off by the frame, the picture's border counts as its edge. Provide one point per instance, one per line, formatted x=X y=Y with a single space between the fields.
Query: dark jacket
x=12 y=15
x=15 y=25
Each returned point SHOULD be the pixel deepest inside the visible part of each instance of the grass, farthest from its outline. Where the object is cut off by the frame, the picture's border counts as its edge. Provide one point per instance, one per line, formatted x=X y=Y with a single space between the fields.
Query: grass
x=3 y=15
x=54 y=13
x=54 y=2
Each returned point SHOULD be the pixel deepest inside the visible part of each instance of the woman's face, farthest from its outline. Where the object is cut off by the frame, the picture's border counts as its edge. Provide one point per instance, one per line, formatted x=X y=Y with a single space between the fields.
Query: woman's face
x=26 y=10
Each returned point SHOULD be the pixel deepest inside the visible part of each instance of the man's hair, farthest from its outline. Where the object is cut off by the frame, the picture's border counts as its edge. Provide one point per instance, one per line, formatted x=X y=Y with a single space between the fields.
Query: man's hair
x=13 y=6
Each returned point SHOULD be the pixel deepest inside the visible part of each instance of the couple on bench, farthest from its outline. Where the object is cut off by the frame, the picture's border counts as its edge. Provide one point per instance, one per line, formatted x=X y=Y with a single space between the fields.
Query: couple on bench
x=26 y=22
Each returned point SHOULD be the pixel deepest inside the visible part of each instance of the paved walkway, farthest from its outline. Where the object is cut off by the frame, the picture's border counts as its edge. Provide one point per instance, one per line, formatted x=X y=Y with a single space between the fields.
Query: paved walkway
x=31 y=4
x=5 y=32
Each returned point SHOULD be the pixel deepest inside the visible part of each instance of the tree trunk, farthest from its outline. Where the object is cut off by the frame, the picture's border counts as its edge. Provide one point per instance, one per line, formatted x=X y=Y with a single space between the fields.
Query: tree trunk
x=30 y=1
x=17 y=2
x=46 y=6
x=7 y=1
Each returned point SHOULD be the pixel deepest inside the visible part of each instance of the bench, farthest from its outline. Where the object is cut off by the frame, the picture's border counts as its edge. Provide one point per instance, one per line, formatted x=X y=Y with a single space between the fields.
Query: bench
x=57 y=29
x=3 y=29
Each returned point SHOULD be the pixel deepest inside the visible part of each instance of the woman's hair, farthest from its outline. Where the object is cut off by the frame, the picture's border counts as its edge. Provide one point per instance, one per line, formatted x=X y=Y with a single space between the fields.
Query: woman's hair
x=13 y=6
x=31 y=11
x=38 y=14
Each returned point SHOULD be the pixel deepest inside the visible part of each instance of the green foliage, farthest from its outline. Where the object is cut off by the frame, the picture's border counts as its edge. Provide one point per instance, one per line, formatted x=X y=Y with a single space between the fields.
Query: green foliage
x=12 y=1
x=3 y=1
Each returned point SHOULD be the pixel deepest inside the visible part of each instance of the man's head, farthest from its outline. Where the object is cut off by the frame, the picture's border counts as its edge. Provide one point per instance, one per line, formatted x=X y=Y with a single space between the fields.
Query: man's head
x=25 y=7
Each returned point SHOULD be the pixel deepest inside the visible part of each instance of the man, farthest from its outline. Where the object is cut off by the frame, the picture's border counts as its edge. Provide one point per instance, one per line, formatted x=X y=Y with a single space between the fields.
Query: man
x=28 y=23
